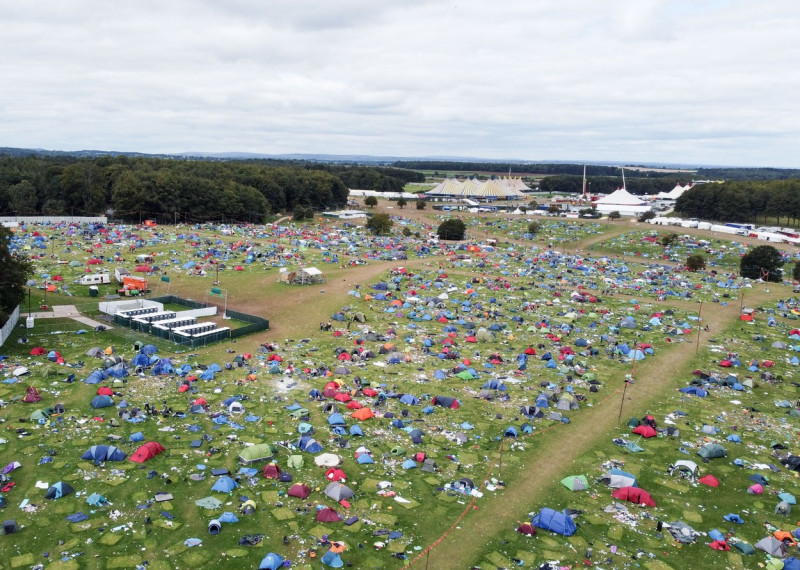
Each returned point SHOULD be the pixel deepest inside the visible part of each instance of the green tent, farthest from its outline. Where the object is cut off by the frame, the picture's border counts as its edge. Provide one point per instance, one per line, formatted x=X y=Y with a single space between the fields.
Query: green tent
x=300 y=413
x=38 y=415
x=258 y=452
x=712 y=451
x=295 y=461
x=744 y=547
x=397 y=450
x=575 y=482
x=465 y=375
x=208 y=503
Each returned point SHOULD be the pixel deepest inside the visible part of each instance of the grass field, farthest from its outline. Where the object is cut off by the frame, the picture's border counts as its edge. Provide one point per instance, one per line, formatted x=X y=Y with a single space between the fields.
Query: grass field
x=529 y=290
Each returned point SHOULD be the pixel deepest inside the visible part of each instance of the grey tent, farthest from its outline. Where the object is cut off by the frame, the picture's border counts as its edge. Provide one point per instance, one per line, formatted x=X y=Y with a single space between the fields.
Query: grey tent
x=682 y=532
x=783 y=508
x=214 y=527
x=208 y=503
x=686 y=469
x=9 y=527
x=338 y=491
x=772 y=546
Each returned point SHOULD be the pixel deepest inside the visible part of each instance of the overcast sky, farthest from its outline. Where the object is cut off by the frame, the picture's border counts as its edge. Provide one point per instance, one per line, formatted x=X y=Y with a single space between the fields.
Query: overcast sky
x=673 y=81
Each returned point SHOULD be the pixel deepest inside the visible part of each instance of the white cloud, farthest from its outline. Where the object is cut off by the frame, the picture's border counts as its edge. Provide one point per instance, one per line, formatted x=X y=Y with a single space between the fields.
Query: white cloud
x=628 y=80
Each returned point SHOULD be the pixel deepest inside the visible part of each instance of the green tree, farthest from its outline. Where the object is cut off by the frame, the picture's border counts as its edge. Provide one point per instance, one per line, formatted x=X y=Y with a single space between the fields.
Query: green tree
x=16 y=271
x=452 y=229
x=401 y=203
x=648 y=215
x=670 y=239
x=761 y=259
x=796 y=271
x=533 y=204
x=371 y=201
x=695 y=262
x=421 y=204
x=534 y=227
x=553 y=209
x=302 y=212
x=615 y=215
x=380 y=224
x=406 y=232
x=22 y=198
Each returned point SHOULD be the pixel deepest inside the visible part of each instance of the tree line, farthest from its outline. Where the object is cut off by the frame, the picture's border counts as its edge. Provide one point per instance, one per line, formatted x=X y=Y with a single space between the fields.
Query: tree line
x=607 y=184
x=165 y=189
x=746 y=202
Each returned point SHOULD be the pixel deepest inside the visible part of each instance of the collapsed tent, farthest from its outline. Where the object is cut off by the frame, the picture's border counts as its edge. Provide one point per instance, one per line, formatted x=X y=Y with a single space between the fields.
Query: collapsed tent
x=634 y=495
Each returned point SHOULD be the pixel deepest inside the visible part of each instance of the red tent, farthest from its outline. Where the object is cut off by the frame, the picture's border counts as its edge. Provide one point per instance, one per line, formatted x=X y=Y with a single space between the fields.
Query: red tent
x=105 y=391
x=146 y=451
x=720 y=545
x=327 y=514
x=371 y=392
x=200 y=402
x=271 y=471
x=634 y=495
x=143 y=269
x=299 y=490
x=38 y=351
x=527 y=528
x=31 y=395
x=645 y=431
x=342 y=397
x=334 y=474
x=709 y=480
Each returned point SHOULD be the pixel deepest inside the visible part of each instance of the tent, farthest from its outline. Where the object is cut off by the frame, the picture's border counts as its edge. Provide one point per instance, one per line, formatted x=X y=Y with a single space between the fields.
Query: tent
x=224 y=485
x=709 y=480
x=146 y=452
x=59 y=490
x=711 y=451
x=214 y=527
x=31 y=393
x=616 y=478
x=101 y=453
x=254 y=453
x=554 y=521
x=685 y=468
x=208 y=503
x=271 y=471
x=527 y=528
x=327 y=514
x=271 y=561
x=575 y=482
x=771 y=546
x=102 y=402
x=338 y=491
x=299 y=490
x=634 y=495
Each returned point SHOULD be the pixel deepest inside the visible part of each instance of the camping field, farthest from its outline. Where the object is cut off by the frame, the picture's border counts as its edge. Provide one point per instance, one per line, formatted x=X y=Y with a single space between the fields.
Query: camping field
x=457 y=389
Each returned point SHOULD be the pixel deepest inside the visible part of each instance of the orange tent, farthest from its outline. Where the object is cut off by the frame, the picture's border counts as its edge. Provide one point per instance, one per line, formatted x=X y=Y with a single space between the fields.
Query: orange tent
x=362 y=414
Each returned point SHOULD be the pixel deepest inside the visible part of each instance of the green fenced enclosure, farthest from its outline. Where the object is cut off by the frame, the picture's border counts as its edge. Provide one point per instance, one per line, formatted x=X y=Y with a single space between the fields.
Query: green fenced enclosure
x=256 y=324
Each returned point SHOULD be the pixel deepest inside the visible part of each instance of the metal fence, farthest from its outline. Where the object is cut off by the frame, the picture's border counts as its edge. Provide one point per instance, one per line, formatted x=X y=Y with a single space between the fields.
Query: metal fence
x=8 y=328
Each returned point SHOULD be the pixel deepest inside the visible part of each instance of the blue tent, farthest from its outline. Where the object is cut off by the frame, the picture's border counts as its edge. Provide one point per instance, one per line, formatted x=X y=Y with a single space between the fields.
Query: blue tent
x=138 y=436
x=336 y=419
x=58 y=490
x=271 y=561
x=100 y=453
x=694 y=390
x=554 y=521
x=511 y=432
x=409 y=464
x=102 y=402
x=309 y=444
x=95 y=377
x=364 y=458
x=228 y=517
x=356 y=430
x=409 y=399
x=141 y=359
x=224 y=485
x=332 y=559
